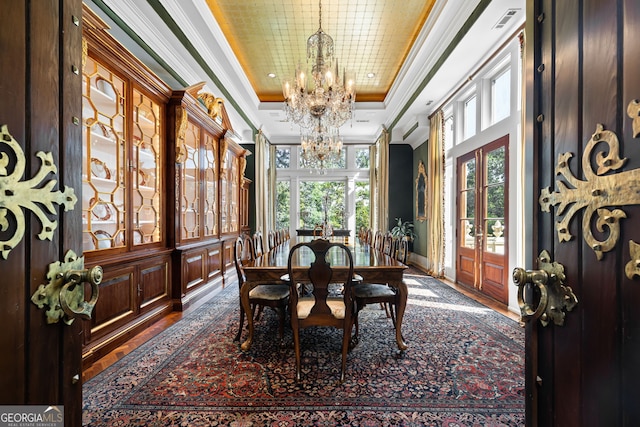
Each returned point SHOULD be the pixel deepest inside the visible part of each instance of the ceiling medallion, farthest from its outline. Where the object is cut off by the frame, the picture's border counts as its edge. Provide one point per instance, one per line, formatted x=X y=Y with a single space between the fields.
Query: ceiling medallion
x=322 y=108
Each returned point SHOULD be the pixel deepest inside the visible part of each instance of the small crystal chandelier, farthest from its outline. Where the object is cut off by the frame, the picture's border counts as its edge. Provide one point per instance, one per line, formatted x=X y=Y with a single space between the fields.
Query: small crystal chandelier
x=320 y=144
x=323 y=108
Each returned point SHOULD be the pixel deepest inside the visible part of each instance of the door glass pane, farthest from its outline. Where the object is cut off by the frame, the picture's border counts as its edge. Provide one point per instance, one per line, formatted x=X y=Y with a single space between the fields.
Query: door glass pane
x=494 y=203
x=468 y=239
x=469 y=172
x=495 y=166
x=468 y=204
x=467 y=213
x=104 y=155
x=147 y=170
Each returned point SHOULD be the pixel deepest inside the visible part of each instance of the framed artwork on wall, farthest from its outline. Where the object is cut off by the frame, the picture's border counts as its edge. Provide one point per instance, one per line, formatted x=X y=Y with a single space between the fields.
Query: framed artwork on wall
x=421 y=193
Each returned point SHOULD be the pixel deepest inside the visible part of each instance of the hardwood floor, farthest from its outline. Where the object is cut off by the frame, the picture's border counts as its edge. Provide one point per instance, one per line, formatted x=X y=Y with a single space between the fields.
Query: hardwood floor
x=174 y=317
x=144 y=336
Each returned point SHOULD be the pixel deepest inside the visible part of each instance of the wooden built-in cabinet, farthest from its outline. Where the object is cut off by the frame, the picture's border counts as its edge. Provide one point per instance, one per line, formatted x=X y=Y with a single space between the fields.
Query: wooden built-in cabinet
x=124 y=226
x=163 y=191
x=207 y=172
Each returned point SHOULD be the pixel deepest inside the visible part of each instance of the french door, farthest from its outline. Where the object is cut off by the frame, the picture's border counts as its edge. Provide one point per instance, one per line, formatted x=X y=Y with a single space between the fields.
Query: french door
x=482 y=219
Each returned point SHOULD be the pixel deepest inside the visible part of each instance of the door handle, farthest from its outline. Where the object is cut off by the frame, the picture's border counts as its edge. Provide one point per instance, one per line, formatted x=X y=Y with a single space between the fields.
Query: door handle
x=72 y=293
x=553 y=297
x=63 y=297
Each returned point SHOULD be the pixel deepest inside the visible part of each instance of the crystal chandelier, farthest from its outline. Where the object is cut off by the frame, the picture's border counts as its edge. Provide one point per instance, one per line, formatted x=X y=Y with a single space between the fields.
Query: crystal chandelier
x=320 y=144
x=321 y=109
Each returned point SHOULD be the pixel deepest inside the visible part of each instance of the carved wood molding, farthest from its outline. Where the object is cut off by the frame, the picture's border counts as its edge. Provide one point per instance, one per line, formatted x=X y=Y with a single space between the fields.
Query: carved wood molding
x=181 y=128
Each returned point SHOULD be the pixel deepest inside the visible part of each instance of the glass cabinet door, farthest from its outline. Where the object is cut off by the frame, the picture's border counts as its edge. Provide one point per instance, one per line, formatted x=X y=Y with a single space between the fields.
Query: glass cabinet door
x=104 y=158
x=211 y=186
x=146 y=171
x=122 y=167
x=190 y=178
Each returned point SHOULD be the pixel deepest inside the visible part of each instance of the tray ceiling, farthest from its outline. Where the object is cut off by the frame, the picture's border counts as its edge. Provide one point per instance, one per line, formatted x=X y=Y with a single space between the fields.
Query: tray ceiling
x=269 y=36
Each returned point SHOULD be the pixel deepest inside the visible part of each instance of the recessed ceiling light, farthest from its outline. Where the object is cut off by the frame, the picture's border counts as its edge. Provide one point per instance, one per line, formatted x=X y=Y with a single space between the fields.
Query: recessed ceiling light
x=371 y=75
x=272 y=75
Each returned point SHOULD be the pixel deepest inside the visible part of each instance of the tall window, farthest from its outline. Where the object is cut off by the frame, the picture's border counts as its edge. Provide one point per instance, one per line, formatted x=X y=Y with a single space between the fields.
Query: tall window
x=362 y=158
x=330 y=163
x=501 y=96
x=283 y=158
x=470 y=117
x=363 y=204
x=300 y=192
x=283 y=200
x=448 y=132
x=320 y=198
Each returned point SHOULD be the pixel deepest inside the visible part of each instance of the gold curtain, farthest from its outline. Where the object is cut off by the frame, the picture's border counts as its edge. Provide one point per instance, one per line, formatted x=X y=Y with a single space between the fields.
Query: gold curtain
x=435 y=192
x=373 y=188
x=381 y=209
x=271 y=171
x=262 y=184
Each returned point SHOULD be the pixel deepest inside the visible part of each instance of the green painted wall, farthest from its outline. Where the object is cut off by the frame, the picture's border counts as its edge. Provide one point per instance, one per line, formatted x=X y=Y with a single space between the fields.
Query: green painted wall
x=400 y=184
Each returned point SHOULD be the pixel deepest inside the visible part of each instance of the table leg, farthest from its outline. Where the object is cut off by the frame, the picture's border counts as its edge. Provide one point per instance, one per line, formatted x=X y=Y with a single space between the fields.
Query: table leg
x=403 y=294
x=246 y=305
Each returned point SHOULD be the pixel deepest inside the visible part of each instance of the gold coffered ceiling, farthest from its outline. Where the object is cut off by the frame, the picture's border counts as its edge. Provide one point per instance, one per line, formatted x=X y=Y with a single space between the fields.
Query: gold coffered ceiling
x=370 y=36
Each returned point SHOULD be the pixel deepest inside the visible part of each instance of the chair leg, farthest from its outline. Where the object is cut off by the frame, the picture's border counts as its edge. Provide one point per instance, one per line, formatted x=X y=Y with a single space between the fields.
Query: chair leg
x=393 y=314
x=385 y=306
x=257 y=316
x=296 y=344
x=346 y=341
x=356 y=322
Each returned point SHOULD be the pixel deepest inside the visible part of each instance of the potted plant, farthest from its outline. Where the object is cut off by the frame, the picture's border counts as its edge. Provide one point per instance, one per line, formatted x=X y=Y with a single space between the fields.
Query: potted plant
x=402 y=229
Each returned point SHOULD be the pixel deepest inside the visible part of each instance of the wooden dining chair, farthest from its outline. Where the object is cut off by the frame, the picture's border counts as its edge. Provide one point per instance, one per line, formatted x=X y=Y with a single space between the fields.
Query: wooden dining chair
x=388 y=244
x=378 y=240
x=271 y=239
x=402 y=250
x=380 y=293
x=368 y=237
x=322 y=305
x=258 y=247
x=275 y=296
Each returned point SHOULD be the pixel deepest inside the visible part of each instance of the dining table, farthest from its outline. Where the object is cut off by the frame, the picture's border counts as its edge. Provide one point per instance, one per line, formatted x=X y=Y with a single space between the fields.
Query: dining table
x=372 y=265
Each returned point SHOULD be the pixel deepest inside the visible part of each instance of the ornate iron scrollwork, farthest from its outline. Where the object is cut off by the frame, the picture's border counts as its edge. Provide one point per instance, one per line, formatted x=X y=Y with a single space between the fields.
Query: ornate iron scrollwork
x=632 y=268
x=35 y=194
x=597 y=192
x=633 y=111
x=553 y=299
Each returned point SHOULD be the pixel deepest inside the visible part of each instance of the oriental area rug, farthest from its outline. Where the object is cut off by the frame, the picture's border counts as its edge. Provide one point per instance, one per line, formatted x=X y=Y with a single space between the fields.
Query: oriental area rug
x=464 y=367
